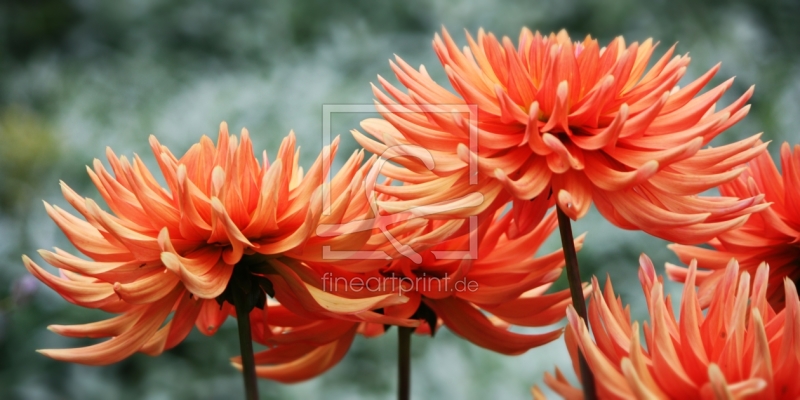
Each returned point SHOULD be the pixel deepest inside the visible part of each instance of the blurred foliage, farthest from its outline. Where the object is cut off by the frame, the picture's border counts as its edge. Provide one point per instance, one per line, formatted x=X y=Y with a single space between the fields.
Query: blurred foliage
x=79 y=75
x=28 y=150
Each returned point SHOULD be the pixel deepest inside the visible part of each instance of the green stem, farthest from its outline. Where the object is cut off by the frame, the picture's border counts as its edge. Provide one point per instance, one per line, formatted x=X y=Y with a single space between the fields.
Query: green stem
x=576 y=289
x=241 y=302
x=404 y=362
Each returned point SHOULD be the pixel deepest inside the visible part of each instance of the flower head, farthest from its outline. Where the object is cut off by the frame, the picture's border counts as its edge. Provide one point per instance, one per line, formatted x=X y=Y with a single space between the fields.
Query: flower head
x=770 y=236
x=740 y=348
x=478 y=295
x=572 y=121
x=163 y=250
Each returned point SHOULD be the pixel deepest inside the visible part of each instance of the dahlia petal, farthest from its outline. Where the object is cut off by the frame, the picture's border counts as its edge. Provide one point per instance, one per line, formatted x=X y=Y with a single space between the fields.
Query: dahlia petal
x=559 y=118
x=562 y=387
x=676 y=138
x=528 y=215
x=533 y=180
x=222 y=224
x=316 y=300
x=573 y=194
x=448 y=48
x=614 y=383
x=155 y=344
x=420 y=83
x=640 y=389
x=748 y=388
x=642 y=213
x=193 y=225
x=315 y=176
x=587 y=111
x=143 y=247
x=207 y=286
x=122 y=346
x=673 y=378
x=689 y=114
x=85 y=237
x=470 y=204
x=422 y=189
x=289 y=241
x=203 y=272
x=562 y=157
x=151 y=197
x=723 y=158
x=481 y=58
x=264 y=217
x=790 y=346
x=316 y=333
x=604 y=176
x=509 y=110
x=762 y=361
x=508 y=262
x=78 y=292
x=687 y=93
x=609 y=211
x=711 y=259
x=717 y=384
x=471 y=94
x=465 y=320
x=698 y=233
x=641 y=363
x=638 y=122
x=495 y=56
x=309 y=365
x=791 y=176
x=663 y=68
x=100 y=329
x=406 y=103
x=343 y=305
x=212 y=315
x=147 y=289
x=687 y=184
x=693 y=353
x=519 y=82
x=509 y=162
x=550 y=308
x=62 y=260
x=615 y=338
x=183 y=320
x=607 y=138
x=117 y=195
x=433 y=139
x=533 y=134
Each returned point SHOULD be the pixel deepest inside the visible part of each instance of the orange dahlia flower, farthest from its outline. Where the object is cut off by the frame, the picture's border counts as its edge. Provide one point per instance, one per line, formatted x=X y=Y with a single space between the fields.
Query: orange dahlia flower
x=301 y=347
x=741 y=348
x=174 y=249
x=505 y=281
x=572 y=121
x=769 y=236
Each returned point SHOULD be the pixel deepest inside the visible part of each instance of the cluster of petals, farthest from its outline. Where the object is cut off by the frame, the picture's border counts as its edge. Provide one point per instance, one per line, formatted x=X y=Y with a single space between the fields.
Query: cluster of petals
x=571 y=122
x=770 y=236
x=739 y=348
x=171 y=250
x=477 y=294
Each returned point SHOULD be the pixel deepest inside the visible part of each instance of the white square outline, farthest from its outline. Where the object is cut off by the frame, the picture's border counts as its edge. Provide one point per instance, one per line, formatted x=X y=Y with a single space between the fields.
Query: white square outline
x=471 y=109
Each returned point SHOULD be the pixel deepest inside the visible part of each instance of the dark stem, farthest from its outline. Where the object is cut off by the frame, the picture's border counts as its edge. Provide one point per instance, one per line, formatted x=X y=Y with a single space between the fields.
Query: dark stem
x=576 y=289
x=404 y=362
x=241 y=300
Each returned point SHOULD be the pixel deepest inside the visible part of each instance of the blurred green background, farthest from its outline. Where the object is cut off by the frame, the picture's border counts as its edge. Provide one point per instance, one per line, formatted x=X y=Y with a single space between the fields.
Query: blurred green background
x=79 y=75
